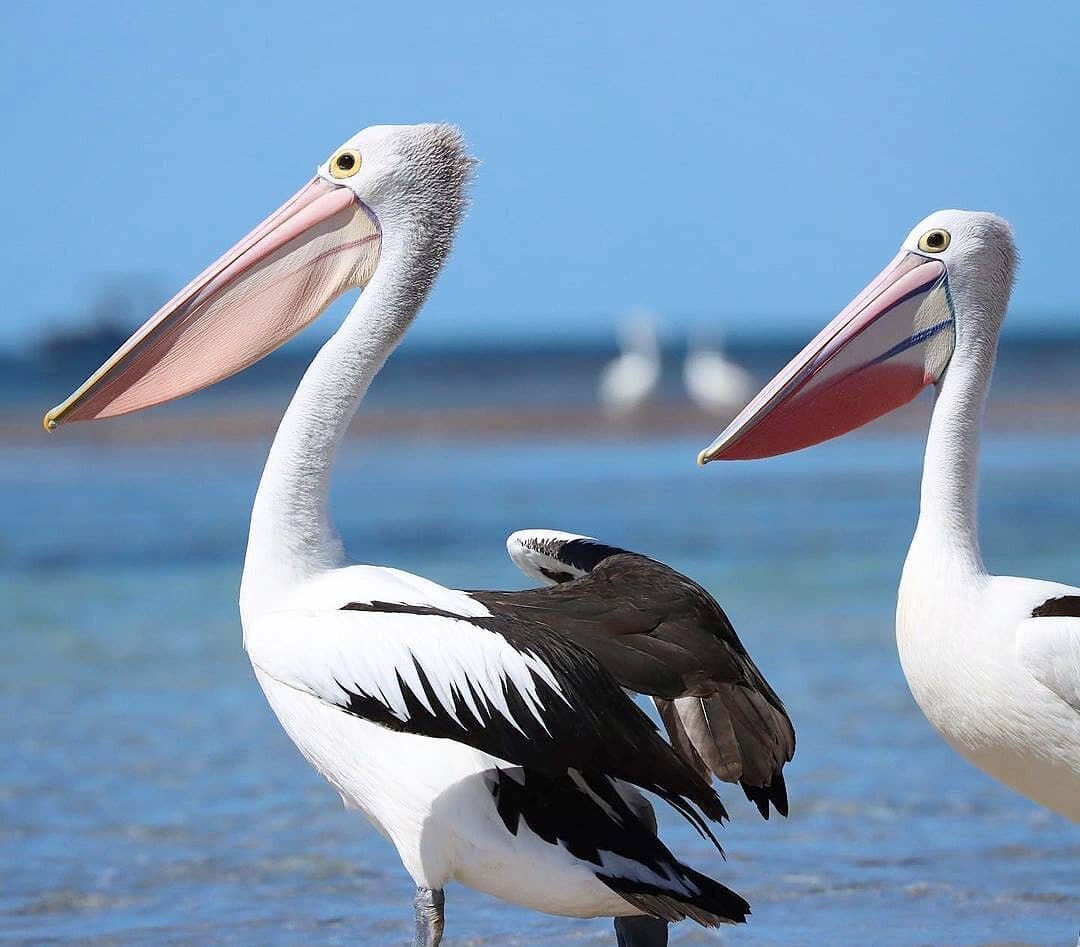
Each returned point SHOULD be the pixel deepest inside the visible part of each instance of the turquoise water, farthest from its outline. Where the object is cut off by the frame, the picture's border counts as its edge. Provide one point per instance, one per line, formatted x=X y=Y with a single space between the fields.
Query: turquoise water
x=148 y=796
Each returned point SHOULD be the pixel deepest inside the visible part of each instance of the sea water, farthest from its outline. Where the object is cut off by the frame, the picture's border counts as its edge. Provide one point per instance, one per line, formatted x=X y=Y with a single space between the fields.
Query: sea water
x=148 y=796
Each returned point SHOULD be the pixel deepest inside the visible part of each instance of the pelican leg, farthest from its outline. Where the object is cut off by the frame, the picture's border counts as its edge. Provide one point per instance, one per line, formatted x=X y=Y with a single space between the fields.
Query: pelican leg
x=429 y=917
x=641 y=932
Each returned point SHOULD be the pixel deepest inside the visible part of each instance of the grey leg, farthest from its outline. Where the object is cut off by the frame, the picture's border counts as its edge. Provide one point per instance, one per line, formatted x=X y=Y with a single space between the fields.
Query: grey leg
x=429 y=917
x=641 y=932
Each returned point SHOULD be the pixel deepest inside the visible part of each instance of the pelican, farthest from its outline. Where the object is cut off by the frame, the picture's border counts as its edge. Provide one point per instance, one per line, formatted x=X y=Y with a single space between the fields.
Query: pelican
x=714 y=382
x=487 y=735
x=993 y=661
x=628 y=382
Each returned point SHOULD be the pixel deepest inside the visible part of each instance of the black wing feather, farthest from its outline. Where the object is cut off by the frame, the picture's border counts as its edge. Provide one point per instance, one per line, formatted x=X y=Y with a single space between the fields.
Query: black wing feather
x=1064 y=606
x=590 y=818
x=591 y=726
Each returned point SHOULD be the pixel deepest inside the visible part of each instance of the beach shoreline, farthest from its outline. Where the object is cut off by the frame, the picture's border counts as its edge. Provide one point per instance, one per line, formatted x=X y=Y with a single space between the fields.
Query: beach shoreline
x=248 y=423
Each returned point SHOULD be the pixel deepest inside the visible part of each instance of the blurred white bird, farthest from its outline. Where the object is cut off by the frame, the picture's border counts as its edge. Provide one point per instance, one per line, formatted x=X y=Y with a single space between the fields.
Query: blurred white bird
x=628 y=382
x=714 y=382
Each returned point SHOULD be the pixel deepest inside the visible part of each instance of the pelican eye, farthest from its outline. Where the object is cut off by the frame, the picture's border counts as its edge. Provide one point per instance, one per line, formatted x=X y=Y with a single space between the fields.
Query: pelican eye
x=934 y=241
x=345 y=163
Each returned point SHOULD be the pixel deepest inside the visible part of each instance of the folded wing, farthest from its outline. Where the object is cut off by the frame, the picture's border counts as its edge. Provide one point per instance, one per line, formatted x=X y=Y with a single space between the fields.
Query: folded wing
x=498 y=684
x=662 y=635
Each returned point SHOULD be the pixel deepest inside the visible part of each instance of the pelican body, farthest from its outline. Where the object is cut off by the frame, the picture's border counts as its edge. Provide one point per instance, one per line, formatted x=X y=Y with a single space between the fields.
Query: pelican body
x=489 y=737
x=993 y=661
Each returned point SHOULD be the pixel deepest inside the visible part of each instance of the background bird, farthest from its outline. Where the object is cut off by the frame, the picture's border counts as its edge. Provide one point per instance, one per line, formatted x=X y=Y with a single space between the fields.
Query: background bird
x=629 y=381
x=713 y=381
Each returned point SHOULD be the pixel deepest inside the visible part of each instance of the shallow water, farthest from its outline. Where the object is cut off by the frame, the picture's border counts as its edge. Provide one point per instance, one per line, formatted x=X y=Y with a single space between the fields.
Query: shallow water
x=148 y=796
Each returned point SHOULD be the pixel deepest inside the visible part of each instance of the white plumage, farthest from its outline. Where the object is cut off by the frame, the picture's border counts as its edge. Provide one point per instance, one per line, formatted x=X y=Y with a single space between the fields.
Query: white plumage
x=330 y=653
x=993 y=679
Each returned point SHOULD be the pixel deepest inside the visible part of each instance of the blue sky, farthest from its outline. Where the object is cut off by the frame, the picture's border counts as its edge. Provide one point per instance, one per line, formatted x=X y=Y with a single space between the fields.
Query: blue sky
x=739 y=165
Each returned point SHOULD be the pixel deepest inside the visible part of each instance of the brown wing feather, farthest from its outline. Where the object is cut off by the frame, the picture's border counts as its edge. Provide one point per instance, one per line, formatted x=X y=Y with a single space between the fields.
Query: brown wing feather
x=681 y=741
x=661 y=634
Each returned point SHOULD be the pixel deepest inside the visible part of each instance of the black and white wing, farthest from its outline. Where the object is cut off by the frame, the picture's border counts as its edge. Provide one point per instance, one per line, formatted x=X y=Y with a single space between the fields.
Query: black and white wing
x=607 y=824
x=662 y=635
x=1048 y=644
x=498 y=684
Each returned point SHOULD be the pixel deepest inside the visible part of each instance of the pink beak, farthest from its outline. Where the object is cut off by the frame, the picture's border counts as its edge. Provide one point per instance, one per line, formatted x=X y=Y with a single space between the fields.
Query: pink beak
x=892 y=340
x=261 y=293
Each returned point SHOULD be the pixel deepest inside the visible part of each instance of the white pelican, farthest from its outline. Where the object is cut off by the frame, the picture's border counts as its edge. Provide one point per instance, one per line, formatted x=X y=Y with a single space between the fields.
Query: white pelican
x=714 y=382
x=993 y=661
x=485 y=734
x=628 y=382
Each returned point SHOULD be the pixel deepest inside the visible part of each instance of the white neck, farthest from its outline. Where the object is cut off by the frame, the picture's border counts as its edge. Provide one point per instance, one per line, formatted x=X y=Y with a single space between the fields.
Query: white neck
x=947 y=534
x=291 y=536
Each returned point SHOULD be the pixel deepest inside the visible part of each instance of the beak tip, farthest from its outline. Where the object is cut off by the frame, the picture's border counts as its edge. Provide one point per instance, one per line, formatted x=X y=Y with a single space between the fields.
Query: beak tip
x=703 y=458
x=50 y=422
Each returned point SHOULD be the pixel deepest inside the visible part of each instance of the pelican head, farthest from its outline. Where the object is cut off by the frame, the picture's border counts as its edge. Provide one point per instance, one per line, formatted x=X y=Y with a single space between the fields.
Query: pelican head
x=946 y=289
x=325 y=240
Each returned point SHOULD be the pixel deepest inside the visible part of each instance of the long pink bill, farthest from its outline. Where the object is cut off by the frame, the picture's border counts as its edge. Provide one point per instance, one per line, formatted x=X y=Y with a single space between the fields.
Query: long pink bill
x=891 y=341
x=257 y=296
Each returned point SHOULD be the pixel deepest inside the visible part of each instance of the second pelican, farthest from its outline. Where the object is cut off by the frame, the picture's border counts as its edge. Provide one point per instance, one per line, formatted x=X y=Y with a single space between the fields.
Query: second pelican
x=993 y=661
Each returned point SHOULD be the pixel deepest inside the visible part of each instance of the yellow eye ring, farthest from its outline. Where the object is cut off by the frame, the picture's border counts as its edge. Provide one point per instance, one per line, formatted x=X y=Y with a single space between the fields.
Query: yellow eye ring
x=934 y=241
x=345 y=163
